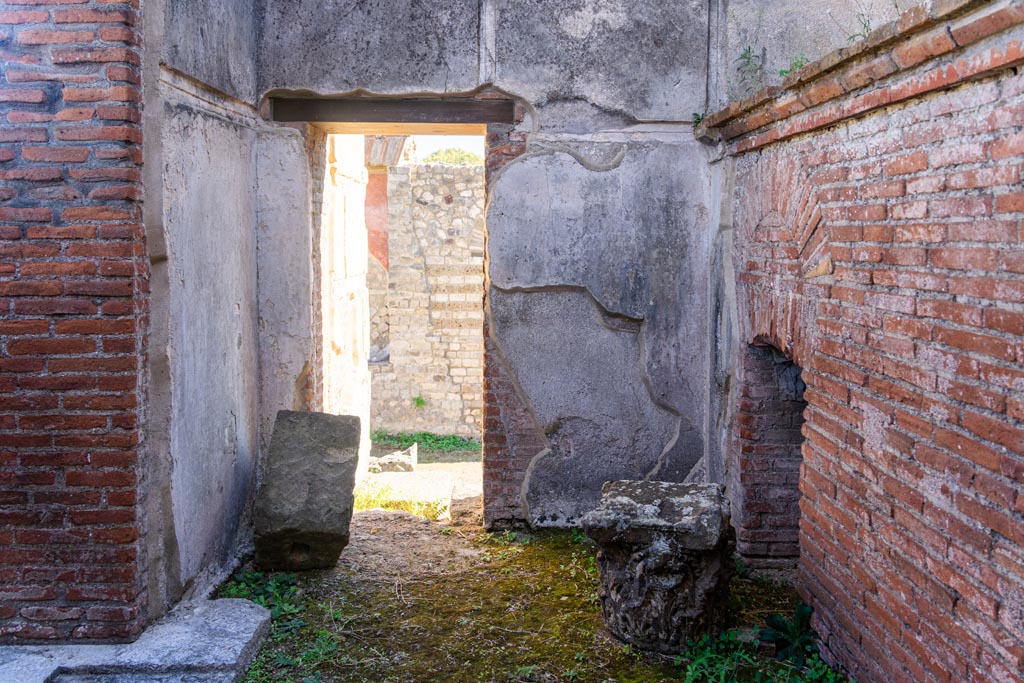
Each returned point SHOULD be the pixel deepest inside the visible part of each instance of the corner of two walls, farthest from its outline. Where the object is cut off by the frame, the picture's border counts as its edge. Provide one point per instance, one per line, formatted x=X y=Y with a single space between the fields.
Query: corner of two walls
x=229 y=238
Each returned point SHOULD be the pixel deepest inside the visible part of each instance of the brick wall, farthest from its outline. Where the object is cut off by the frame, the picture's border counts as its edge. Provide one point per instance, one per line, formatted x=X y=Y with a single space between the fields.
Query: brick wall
x=764 y=477
x=878 y=244
x=73 y=310
x=510 y=438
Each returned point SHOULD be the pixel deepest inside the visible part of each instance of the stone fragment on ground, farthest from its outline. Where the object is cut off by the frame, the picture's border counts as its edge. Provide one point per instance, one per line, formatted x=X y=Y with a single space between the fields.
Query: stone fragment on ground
x=665 y=557
x=304 y=507
x=208 y=642
x=396 y=461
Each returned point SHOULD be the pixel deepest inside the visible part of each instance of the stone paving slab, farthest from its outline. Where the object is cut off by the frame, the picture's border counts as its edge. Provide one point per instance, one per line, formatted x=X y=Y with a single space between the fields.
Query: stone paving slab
x=209 y=642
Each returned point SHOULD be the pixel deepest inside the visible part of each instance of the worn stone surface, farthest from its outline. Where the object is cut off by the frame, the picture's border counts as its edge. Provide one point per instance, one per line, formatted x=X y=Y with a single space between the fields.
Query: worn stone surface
x=211 y=349
x=398 y=461
x=665 y=556
x=642 y=60
x=213 y=42
x=207 y=642
x=597 y=302
x=386 y=46
x=305 y=504
x=284 y=251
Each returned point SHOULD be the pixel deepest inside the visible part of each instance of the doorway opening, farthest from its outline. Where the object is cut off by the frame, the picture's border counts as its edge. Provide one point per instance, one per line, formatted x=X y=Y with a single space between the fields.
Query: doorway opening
x=399 y=207
x=425 y=203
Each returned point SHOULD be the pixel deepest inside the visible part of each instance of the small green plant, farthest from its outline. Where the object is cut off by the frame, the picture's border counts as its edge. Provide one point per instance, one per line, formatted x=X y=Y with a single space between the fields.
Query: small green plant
x=282 y=660
x=419 y=401
x=718 y=660
x=794 y=639
x=455 y=157
x=277 y=592
x=320 y=650
x=524 y=674
x=697 y=118
x=580 y=538
x=818 y=671
x=795 y=64
x=749 y=69
x=864 y=23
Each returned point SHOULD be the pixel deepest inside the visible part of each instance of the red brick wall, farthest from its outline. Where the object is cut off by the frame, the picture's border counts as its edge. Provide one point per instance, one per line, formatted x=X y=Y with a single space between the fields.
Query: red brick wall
x=510 y=439
x=879 y=244
x=377 y=216
x=73 y=308
x=764 y=476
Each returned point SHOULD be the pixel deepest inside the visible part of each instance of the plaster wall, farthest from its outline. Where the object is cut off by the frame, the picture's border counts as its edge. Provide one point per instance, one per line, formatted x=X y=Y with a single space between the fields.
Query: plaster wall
x=219 y=185
x=213 y=42
x=209 y=211
x=285 y=289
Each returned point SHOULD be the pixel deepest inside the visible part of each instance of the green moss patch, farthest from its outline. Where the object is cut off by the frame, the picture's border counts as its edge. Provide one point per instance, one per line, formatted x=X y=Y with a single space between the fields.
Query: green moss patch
x=524 y=608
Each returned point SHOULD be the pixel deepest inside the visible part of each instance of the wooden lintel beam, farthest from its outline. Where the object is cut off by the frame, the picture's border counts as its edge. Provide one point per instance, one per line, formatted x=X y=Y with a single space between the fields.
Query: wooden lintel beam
x=411 y=111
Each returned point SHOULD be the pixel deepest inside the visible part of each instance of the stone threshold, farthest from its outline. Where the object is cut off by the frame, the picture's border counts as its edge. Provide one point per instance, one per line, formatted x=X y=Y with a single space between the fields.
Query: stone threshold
x=214 y=641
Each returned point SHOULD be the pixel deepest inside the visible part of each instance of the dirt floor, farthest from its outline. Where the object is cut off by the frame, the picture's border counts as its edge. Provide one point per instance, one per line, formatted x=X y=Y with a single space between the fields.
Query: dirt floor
x=414 y=600
x=418 y=601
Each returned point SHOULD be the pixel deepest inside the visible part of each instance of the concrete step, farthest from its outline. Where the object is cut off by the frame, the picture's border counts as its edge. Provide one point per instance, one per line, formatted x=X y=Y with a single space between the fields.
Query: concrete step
x=214 y=641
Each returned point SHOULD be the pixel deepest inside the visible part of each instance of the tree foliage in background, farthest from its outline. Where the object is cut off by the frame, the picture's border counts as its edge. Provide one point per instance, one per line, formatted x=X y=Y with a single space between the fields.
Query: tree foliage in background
x=454 y=157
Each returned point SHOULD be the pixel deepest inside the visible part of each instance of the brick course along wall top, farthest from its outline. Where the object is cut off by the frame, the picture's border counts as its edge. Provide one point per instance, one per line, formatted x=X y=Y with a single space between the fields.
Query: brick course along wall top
x=430 y=318
x=73 y=309
x=878 y=220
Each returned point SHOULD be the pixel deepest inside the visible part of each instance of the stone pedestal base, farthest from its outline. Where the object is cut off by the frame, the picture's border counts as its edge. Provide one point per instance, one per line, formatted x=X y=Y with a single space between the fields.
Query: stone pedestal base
x=665 y=556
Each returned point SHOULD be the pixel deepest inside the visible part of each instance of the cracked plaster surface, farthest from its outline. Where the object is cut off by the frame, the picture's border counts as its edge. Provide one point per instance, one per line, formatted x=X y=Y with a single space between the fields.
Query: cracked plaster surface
x=597 y=300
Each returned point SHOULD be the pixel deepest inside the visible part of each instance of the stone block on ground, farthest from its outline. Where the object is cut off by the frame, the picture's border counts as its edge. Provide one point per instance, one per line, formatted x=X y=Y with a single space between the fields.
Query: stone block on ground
x=214 y=641
x=665 y=556
x=304 y=508
x=396 y=461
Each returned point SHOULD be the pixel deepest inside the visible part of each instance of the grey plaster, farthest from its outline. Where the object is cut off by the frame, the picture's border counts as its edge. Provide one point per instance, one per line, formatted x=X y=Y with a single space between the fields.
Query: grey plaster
x=722 y=330
x=581 y=371
x=214 y=41
x=643 y=59
x=386 y=46
x=209 y=216
x=619 y=387
x=160 y=542
x=635 y=236
x=284 y=244
x=207 y=642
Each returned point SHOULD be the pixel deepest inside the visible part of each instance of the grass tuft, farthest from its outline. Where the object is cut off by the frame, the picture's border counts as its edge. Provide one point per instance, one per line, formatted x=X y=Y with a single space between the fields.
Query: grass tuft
x=373 y=496
x=426 y=441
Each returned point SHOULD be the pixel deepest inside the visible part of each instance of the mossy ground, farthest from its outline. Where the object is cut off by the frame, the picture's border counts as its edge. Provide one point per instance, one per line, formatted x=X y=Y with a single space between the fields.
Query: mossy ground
x=524 y=608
